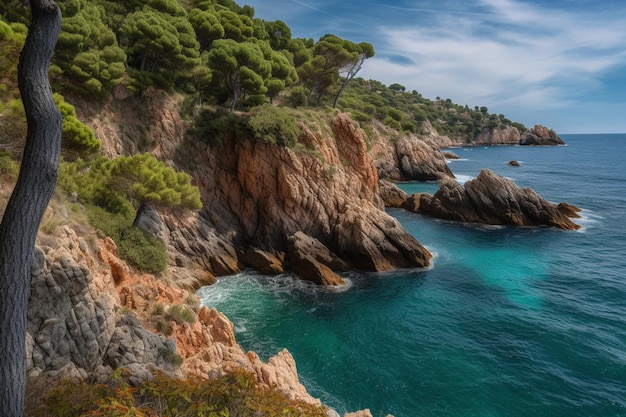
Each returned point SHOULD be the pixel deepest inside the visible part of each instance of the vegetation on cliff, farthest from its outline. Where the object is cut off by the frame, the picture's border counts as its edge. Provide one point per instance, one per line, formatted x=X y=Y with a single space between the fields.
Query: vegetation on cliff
x=235 y=394
x=248 y=90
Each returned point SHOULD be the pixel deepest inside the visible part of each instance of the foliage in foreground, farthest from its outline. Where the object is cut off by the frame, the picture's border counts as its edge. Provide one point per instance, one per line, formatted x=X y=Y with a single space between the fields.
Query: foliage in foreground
x=235 y=394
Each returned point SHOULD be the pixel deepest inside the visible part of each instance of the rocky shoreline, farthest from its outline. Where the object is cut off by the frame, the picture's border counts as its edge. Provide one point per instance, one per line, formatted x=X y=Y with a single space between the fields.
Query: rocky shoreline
x=316 y=212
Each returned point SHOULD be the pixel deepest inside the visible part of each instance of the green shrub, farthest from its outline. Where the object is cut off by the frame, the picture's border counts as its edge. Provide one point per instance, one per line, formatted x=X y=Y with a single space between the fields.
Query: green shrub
x=8 y=165
x=359 y=116
x=298 y=96
x=76 y=134
x=143 y=250
x=164 y=327
x=171 y=356
x=180 y=314
x=213 y=127
x=234 y=394
x=272 y=125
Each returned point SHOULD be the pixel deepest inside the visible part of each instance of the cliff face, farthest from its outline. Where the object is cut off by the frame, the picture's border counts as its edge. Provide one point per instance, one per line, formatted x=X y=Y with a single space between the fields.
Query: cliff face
x=90 y=314
x=410 y=158
x=258 y=195
x=498 y=136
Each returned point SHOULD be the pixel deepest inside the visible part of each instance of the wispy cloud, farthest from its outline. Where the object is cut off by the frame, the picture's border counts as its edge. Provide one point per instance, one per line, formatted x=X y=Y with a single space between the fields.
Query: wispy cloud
x=506 y=52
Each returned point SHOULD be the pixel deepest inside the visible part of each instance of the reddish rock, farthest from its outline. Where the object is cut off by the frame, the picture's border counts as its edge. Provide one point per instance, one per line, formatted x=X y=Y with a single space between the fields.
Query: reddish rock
x=391 y=194
x=491 y=199
x=262 y=261
x=540 y=136
x=313 y=261
x=507 y=135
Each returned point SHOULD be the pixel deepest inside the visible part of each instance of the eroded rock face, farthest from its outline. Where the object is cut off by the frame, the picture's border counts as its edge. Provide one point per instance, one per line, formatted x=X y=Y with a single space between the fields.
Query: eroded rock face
x=391 y=194
x=507 y=135
x=266 y=193
x=89 y=314
x=410 y=159
x=72 y=320
x=540 y=136
x=491 y=199
x=313 y=261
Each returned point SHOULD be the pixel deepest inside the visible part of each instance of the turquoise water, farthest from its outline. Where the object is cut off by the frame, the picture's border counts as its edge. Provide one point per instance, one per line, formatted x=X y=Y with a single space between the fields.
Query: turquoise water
x=507 y=322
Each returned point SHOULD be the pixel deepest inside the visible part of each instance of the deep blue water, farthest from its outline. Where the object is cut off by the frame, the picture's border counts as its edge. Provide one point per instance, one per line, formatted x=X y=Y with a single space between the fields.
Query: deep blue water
x=507 y=322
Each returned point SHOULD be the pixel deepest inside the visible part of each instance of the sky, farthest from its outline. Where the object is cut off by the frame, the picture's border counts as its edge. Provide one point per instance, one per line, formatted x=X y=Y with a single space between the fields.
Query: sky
x=558 y=63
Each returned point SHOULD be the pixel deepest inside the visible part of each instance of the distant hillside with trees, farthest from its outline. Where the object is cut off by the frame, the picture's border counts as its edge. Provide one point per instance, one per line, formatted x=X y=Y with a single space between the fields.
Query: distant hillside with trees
x=218 y=53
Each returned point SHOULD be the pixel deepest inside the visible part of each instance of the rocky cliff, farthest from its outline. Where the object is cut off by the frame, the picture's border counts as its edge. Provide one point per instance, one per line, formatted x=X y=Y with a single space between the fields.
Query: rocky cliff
x=89 y=314
x=258 y=196
x=409 y=157
x=542 y=136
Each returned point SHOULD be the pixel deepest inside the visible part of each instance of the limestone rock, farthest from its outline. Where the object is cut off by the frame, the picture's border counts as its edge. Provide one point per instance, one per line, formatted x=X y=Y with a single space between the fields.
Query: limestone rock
x=491 y=199
x=140 y=351
x=70 y=317
x=541 y=136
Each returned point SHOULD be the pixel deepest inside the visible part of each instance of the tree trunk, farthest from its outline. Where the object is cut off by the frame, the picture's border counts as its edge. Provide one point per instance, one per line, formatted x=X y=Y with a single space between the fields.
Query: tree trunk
x=32 y=193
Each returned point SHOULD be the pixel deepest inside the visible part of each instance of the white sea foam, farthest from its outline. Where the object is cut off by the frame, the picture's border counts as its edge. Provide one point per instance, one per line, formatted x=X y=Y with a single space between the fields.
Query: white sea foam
x=587 y=219
x=462 y=179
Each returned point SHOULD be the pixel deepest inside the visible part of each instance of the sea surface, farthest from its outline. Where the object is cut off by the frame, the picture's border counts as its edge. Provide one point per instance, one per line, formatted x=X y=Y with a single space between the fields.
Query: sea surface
x=507 y=321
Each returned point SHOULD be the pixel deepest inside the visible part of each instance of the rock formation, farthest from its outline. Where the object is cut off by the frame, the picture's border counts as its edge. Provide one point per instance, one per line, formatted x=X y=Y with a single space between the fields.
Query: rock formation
x=313 y=261
x=391 y=194
x=89 y=314
x=507 y=135
x=491 y=199
x=259 y=195
x=541 y=136
x=410 y=159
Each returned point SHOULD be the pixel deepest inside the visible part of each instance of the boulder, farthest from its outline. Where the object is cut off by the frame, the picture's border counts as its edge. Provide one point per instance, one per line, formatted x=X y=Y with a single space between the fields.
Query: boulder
x=514 y=163
x=263 y=261
x=491 y=199
x=391 y=194
x=313 y=261
x=540 y=136
x=450 y=155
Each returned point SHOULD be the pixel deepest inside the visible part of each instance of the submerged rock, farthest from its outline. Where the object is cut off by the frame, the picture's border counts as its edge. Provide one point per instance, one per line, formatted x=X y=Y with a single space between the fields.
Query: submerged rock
x=491 y=199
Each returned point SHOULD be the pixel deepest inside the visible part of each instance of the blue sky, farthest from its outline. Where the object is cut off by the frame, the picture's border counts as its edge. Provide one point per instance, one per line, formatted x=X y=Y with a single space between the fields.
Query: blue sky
x=557 y=63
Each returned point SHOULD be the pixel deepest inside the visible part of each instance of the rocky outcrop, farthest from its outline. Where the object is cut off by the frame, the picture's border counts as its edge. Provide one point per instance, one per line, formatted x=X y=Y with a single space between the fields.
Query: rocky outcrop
x=410 y=159
x=313 y=261
x=540 y=136
x=391 y=194
x=73 y=325
x=507 y=135
x=258 y=195
x=491 y=199
x=90 y=314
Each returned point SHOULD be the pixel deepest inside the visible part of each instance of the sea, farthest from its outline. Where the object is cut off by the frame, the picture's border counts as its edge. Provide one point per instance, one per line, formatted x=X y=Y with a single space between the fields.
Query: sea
x=506 y=322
